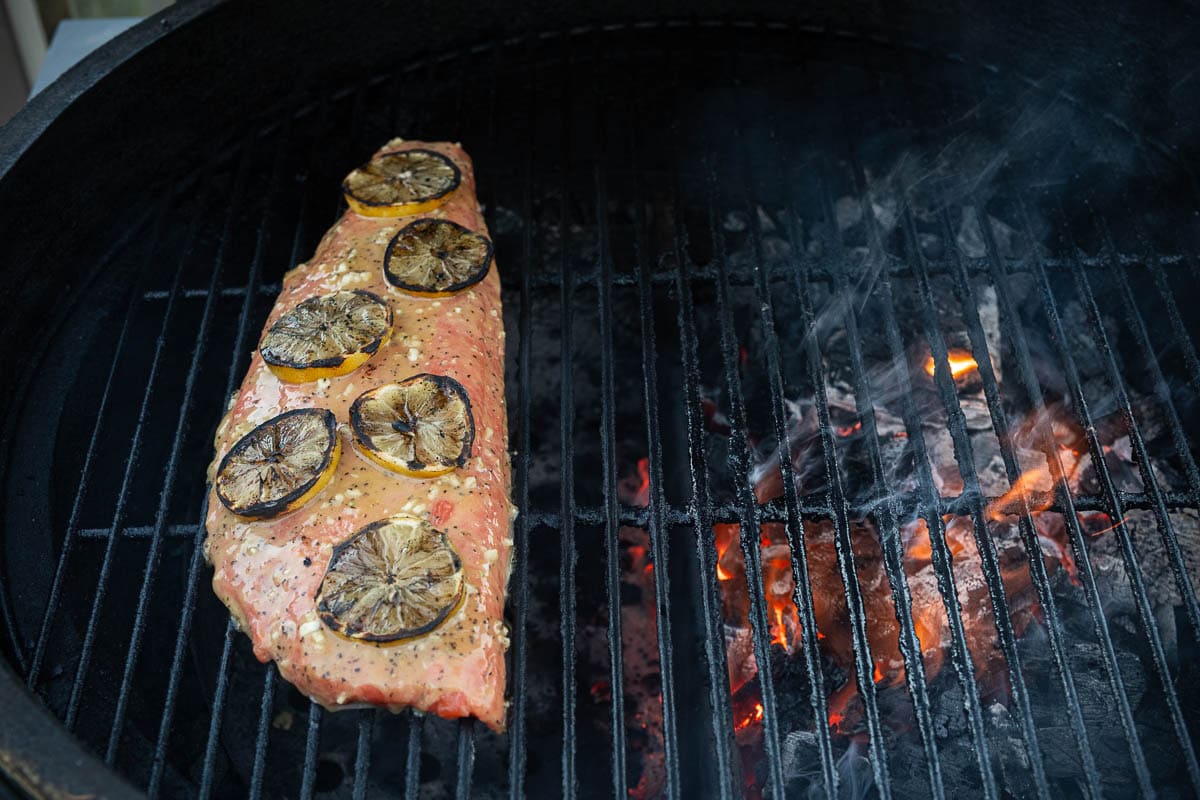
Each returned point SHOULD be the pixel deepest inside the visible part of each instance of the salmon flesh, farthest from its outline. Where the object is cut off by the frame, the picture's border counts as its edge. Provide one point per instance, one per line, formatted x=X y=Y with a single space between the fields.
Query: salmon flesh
x=268 y=572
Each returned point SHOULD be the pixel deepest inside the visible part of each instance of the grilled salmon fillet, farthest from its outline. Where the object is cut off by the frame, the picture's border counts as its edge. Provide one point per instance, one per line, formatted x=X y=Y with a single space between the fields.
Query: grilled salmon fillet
x=268 y=572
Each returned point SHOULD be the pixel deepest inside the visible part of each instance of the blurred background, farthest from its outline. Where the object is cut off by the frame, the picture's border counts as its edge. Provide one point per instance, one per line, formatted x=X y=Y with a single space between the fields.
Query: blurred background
x=41 y=39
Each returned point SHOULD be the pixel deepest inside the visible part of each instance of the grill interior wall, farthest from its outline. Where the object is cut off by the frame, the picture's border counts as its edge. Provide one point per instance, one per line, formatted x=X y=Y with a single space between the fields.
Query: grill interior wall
x=658 y=213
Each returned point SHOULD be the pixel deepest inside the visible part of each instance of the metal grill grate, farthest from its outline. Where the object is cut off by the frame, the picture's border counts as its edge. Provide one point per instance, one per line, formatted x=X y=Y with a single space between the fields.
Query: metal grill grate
x=609 y=205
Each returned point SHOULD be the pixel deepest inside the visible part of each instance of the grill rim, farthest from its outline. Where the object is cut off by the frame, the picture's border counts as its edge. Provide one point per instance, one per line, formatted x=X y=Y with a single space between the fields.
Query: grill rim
x=39 y=757
x=601 y=513
x=24 y=130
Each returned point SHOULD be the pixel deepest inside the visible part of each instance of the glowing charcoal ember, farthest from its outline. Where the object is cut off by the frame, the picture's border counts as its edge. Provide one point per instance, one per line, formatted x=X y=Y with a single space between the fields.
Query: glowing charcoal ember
x=929 y=616
x=961 y=363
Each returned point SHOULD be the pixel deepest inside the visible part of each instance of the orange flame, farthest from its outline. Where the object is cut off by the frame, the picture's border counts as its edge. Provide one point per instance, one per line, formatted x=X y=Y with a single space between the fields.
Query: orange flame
x=778 y=631
x=847 y=430
x=1038 y=478
x=643 y=491
x=779 y=584
x=784 y=614
x=843 y=707
x=723 y=537
x=1023 y=487
x=878 y=676
x=752 y=716
x=961 y=362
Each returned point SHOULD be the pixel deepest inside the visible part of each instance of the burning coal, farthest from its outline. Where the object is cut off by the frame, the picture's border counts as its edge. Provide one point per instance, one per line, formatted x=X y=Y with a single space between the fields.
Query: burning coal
x=875 y=454
x=960 y=362
x=1032 y=492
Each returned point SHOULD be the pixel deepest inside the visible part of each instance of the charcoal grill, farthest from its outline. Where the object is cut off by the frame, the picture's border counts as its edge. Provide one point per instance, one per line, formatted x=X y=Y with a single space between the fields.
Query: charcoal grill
x=702 y=220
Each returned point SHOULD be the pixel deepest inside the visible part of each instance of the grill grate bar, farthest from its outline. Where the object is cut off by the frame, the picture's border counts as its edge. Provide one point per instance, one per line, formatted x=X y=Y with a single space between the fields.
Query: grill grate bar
x=265 y=289
x=1116 y=511
x=657 y=528
x=864 y=663
x=362 y=754
x=175 y=676
x=989 y=560
x=889 y=540
x=1132 y=566
x=1011 y=326
x=803 y=592
x=941 y=557
x=1163 y=394
x=608 y=457
x=412 y=762
x=931 y=511
x=72 y=530
x=312 y=738
x=749 y=524
x=714 y=639
x=181 y=428
x=518 y=738
x=264 y=730
x=312 y=742
x=465 y=758
x=1182 y=338
x=772 y=511
x=1138 y=443
x=218 y=709
x=776 y=275
x=156 y=538
x=568 y=551
x=965 y=293
x=102 y=582
x=1162 y=390
x=262 y=739
x=189 y=602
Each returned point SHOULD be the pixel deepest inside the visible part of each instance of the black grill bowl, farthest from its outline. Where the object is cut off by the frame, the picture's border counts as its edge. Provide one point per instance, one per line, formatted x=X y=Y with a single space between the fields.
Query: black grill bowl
x=695 y=206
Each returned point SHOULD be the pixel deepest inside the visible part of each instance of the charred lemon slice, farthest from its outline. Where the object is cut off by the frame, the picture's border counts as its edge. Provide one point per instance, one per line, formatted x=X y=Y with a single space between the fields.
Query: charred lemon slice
x=436 y=257
x=395 y=579
x=401 y=183
x=280 y=465
x=421 y=427
x=327 y=336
